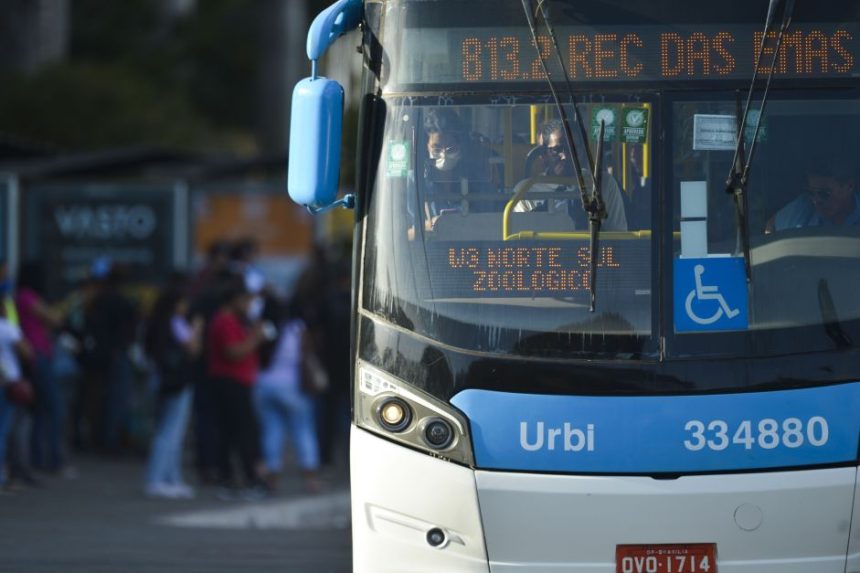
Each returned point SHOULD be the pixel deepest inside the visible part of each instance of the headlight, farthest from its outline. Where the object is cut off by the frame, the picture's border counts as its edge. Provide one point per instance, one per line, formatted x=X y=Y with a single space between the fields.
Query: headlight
x=394 y=414
x=390 y=407
x=438 y=434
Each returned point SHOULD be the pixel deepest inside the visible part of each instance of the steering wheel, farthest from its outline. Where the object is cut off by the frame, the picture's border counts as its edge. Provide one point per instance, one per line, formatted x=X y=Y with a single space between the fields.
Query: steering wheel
x=533 y=155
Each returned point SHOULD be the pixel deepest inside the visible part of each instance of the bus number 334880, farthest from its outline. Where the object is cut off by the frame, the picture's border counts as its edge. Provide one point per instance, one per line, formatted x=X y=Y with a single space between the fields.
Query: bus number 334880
x=767 y=434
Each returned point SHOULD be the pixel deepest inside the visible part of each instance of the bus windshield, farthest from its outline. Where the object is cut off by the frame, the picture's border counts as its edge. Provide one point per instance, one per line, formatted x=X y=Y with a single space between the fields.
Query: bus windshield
x=476 y=236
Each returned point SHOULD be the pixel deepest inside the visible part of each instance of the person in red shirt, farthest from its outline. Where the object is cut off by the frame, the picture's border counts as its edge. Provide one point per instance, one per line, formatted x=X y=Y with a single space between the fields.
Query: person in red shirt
x=232 y=341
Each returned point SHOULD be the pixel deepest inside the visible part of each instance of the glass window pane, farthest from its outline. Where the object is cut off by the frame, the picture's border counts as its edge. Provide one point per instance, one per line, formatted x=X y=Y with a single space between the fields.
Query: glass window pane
x=804 y=214
x=477 y=236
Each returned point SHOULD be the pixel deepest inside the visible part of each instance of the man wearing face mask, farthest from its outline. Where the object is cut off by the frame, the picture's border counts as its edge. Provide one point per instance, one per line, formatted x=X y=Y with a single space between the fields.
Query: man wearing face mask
x=557 y=162
x=455 y=168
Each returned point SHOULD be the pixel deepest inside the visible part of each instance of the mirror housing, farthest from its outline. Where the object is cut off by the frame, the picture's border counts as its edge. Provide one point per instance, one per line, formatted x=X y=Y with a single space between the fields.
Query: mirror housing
x=316 y=119
x=315 y=142
x=331 y=24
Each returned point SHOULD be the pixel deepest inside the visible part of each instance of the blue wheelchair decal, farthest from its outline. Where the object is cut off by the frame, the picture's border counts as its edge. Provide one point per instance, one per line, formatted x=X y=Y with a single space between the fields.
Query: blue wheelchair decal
x=710 y=295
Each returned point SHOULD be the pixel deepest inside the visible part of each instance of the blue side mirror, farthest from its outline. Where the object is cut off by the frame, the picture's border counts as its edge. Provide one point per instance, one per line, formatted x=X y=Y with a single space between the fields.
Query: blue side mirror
x=315 y=142
x=317 y=117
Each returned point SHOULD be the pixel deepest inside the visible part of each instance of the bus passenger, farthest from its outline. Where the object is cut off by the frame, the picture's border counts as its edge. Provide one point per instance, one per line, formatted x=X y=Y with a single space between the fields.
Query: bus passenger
x=558 y=163
x=829 y=200
x=456 y=165
x=639 y=190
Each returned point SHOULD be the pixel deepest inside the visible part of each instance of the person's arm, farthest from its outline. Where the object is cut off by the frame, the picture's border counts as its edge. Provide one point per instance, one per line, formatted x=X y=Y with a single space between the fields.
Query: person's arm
x=24 y=349
x=195 y=344
x=13 y=335
x=189 y=336
x=238 y=350
x=50 y=316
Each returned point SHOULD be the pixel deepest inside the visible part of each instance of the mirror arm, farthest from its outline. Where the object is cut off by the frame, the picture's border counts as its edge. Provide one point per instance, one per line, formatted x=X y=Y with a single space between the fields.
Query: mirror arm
x=333 y=22
x=347 y=202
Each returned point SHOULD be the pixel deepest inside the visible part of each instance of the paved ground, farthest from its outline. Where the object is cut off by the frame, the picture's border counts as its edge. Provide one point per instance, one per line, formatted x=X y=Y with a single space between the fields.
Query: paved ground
x=102 y=523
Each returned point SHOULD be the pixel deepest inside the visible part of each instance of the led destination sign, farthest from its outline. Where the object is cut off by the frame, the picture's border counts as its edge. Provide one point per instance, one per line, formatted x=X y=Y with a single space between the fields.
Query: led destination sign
x=630 y=53
x=536 y=268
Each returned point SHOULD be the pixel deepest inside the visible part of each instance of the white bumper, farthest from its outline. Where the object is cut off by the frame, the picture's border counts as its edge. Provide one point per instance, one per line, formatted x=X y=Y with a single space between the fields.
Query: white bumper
x=398 y=495
x=792 y=522
x=499 y=522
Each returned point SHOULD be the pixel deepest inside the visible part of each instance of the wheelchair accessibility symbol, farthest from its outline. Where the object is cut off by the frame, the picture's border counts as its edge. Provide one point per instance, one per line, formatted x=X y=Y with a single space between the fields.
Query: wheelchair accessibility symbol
x=705 y=293
x=710 y=294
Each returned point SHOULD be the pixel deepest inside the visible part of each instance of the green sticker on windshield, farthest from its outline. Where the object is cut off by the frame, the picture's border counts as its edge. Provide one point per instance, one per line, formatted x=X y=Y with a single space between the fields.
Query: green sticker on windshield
x=634 y=125
x=609 y=116
x=398 y=158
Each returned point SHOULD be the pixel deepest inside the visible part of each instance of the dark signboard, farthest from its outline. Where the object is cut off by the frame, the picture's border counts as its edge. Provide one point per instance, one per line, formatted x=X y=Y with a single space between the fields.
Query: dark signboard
x=70 y=226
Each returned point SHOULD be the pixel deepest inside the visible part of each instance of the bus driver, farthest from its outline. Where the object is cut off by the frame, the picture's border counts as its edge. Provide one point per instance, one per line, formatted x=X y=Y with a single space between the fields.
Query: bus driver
x=829 y=200
x=557 y=163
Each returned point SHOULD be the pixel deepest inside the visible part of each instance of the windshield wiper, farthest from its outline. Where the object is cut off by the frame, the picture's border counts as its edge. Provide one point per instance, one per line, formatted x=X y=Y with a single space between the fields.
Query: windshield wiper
x=736 y=183
x=592 y=203
x=596 y=212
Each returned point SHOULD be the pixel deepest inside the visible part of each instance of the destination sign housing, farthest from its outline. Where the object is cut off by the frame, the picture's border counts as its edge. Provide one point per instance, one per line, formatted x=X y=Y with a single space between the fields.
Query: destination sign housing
x=627 y=54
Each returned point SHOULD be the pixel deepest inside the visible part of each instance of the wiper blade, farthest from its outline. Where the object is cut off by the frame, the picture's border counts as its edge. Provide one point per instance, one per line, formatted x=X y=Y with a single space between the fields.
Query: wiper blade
x=596 y=213
x=592 y=203
x=576 y=118
x=567 y=132
x=736 y=183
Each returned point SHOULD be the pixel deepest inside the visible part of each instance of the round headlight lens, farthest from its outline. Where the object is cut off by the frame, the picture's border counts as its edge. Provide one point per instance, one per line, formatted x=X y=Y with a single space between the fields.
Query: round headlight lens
x=394 y=414
x=438 y=434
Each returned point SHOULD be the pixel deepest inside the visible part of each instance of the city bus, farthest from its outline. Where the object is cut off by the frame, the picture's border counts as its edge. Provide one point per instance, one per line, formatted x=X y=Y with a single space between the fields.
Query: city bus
x=539 y=388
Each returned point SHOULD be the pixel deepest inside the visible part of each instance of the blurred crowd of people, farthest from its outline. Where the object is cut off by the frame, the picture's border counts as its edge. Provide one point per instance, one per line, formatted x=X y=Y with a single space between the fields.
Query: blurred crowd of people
x=233 y=370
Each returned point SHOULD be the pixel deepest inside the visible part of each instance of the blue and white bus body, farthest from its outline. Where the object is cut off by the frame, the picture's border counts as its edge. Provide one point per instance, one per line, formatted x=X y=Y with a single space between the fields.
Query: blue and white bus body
x=536 y=503
x=705 y=415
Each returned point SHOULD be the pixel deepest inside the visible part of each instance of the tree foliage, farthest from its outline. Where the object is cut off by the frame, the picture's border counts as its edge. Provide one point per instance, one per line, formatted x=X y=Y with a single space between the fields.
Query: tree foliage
x=136 y=76
x=88 y=105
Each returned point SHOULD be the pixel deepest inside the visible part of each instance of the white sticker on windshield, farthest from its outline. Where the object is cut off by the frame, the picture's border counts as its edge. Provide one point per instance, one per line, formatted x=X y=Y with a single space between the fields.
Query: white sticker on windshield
x=714 y=132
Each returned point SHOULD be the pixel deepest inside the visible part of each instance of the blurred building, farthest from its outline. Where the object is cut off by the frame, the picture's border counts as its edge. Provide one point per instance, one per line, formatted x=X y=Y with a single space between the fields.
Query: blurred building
x=33 y=33
x=150 y=210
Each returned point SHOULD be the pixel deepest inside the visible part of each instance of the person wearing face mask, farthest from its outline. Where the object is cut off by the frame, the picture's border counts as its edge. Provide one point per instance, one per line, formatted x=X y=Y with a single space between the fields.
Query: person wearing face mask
x=455 y=166
x=557 y=162
x=232 y=354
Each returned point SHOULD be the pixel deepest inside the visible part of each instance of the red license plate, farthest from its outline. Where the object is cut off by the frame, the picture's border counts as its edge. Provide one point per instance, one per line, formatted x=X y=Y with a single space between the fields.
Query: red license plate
x=674 y=558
